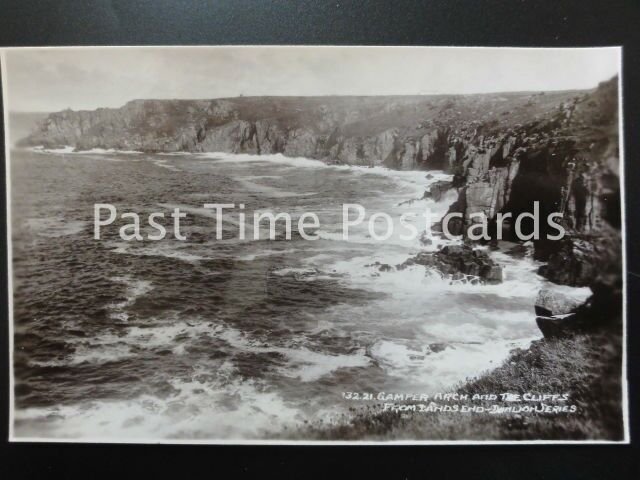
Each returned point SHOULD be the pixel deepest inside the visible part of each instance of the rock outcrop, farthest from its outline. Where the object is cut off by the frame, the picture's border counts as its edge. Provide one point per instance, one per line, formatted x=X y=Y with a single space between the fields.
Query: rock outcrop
x=603 y=309
x=557 y=313
x=437 y=190
x=567 y=162
x=459 y=262
x=550 y=303
x=579 y=260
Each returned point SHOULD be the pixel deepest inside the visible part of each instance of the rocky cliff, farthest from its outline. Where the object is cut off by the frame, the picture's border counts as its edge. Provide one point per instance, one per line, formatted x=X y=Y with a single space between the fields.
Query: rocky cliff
x=567 y=160
x=405 y=132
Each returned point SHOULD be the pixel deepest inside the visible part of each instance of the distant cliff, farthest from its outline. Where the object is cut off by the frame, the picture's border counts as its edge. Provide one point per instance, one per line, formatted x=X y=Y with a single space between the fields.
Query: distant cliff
x=397 y=131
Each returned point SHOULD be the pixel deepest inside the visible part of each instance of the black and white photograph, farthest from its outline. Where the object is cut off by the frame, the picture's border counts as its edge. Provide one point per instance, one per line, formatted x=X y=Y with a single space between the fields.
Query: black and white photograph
x=315 y=244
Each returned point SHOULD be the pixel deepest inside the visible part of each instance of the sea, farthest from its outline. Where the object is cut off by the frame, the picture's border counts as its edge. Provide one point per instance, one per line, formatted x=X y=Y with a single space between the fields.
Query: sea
x=223 y=339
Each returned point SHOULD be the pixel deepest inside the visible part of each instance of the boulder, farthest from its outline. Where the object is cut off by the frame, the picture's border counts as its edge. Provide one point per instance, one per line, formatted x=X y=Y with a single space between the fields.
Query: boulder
x=437 y=190
x=561 y=315
x=558 y=313
x=552 y=303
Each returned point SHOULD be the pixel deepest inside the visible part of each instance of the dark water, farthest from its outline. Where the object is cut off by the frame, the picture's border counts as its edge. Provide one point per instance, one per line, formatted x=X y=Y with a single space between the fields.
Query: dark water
x=224 y=339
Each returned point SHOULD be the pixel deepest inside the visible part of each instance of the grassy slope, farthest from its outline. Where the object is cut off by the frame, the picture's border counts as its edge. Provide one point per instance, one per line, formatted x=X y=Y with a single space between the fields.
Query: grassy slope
x=586 y=366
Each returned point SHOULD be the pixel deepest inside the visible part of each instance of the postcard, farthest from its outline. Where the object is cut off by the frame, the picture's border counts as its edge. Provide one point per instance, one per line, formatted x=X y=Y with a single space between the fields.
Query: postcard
x=267 y=244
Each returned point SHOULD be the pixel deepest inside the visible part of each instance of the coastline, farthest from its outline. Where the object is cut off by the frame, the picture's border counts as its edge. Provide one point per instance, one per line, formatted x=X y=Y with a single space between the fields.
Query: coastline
x=583 y=363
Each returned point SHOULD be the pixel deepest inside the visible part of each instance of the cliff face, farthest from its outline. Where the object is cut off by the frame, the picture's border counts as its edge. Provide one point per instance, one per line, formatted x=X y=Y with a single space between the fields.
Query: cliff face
x=567 y=161
x=406 y=132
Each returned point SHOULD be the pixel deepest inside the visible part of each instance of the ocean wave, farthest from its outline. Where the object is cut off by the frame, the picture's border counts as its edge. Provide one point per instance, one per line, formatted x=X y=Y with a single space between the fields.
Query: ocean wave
x=302 y=363
x=276 y=158
x=380 y=327
x=441 y=366
x=163 y=164
x=213 y=404
x=157 y=250
x=266 y=190
x=417 y=181
x=250 y=257
x=113 y=346
x=302 y=272
x=67 y=150
x=56 y=226
x=520 y=275
x=135 y=288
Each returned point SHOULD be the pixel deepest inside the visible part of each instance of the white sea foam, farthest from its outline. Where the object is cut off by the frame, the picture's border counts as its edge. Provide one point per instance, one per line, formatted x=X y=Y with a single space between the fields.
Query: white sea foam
x=249 y=257
x=415 y=180
x=439 y=370
x=263 y=177
x=113 y=346
x=295 y=271
x=135 y=288
x=55 y=226
x=163 y=164
x=227 y=219
x=66 y=150
x=209 y=405
x=267 y=191
x=310 y=366
x=63 y=150
x=302 y=363
x=157 y=250
x=277 y=158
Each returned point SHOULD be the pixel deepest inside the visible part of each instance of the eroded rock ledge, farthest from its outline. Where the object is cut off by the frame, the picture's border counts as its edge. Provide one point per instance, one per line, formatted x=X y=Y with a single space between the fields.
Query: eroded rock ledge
x=454 y=262
x=459 y=262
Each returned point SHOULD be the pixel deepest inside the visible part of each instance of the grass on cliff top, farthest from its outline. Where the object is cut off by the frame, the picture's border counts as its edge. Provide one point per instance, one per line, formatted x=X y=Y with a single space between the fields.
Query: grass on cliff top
x=587 y=367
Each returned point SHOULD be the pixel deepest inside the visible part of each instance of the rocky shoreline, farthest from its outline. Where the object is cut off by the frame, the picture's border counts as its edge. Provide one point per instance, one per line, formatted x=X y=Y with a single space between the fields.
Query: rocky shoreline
x=506 y=151
x=585 y=367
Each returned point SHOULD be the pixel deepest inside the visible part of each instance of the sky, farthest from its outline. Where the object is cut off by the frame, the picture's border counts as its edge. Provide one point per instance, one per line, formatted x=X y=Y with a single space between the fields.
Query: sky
x=46 y=80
